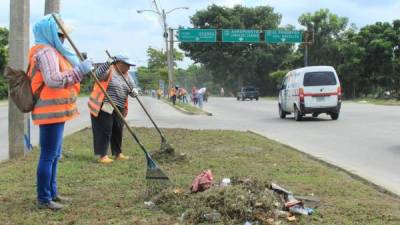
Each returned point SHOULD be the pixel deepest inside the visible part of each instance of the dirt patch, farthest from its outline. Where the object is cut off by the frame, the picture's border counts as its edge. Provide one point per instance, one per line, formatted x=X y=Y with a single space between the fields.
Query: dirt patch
x=246 y=199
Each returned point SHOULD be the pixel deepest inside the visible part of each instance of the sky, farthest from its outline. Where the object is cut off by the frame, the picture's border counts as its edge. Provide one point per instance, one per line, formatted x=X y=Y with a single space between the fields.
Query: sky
x=116 y=25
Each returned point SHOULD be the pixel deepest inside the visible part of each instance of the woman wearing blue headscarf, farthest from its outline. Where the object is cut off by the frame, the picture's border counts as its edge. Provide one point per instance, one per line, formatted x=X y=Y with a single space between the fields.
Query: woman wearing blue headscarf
x=56 y=73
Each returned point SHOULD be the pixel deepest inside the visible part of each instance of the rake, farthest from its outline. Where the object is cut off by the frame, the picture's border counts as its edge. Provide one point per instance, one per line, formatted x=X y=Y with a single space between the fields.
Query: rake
x=155 y=177
x=165 y=146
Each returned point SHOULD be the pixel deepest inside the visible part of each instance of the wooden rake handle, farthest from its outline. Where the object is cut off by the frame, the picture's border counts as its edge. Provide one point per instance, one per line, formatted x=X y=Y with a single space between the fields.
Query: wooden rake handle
x=101 y=86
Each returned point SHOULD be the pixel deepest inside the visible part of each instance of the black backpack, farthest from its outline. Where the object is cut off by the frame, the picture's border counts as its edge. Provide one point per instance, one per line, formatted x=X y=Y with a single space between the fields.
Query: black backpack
x=21 y=90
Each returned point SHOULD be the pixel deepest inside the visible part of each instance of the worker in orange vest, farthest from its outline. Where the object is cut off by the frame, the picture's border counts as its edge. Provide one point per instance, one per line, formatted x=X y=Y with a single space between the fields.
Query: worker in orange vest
x=56 y=73
x=107 y=125
x=172 y=94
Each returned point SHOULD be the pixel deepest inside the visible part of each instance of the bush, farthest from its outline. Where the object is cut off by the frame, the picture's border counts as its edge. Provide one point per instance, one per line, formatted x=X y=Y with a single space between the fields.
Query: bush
x=3 y=87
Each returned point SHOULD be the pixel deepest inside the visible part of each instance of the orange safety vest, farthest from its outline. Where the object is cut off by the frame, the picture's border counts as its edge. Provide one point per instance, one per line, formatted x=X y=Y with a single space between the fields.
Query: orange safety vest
x=172 y=92
x=97 y=96
x=55 y=105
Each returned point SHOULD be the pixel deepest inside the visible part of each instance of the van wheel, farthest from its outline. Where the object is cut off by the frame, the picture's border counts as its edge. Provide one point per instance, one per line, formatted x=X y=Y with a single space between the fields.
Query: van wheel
x=282 y=114
x=334 y=116
x=297 y=114
x=256 y=98
x=315 y=115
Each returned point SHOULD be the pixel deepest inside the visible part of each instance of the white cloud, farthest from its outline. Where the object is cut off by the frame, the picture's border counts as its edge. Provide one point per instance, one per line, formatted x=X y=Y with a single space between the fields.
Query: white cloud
x=228 y=3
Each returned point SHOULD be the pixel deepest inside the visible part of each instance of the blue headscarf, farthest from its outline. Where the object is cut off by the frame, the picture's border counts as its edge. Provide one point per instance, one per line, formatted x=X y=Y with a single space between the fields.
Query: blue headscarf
x=45 y=32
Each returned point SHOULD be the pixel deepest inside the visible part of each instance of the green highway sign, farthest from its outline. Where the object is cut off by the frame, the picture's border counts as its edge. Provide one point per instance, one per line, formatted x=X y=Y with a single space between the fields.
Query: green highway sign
x=197 y=35
x=236 y=35
x=283 y=36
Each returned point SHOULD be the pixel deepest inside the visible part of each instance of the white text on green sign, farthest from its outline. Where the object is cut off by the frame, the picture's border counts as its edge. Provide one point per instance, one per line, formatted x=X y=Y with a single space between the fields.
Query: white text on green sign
x=197 y=35
x=236 y=35
x=283 y=36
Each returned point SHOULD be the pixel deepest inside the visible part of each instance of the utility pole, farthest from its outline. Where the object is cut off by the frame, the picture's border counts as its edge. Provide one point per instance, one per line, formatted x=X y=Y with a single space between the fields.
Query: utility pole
x=308 y=39
x=51 y=6
x=305 y=48
x=18 y=50
x=167 y=50
x=171 y=57
x=305 y=54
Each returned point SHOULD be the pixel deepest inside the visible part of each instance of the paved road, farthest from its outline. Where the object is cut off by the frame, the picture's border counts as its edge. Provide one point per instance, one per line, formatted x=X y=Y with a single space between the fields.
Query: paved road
x=364 y=139
x=82 y=121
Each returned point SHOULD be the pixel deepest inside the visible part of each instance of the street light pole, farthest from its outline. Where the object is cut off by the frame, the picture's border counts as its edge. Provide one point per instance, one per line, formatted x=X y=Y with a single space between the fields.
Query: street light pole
x=171 y=79
x=168 y=49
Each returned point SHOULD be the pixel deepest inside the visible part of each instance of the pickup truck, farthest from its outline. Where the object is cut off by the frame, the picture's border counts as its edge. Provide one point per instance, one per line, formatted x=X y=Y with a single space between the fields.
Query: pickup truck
x=247 y=93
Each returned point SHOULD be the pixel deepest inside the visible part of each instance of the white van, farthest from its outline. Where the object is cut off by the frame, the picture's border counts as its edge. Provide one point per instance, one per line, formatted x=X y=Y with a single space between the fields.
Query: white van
x=313 y=89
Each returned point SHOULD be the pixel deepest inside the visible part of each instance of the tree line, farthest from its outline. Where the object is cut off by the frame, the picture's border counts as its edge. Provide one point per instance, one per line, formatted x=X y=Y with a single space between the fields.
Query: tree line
x=367 y=59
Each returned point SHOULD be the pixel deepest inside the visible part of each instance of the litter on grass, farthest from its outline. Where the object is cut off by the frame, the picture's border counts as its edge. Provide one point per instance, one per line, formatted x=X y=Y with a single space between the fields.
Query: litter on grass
x=243 y=200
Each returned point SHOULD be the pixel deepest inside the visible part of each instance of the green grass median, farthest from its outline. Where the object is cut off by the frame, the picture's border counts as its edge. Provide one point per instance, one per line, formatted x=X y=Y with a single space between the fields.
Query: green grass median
x=376 y=101
x=113 y=194
x=185 y=107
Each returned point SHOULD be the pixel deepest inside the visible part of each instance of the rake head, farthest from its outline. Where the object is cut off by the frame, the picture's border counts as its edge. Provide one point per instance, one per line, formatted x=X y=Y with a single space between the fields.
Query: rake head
x=156 y=179
x=166 y=147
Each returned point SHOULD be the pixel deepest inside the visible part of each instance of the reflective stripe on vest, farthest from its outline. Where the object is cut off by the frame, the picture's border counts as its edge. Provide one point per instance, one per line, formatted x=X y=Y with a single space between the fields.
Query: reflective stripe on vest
x=96 y=100
x=97 y=96
x=60 y=101
x=42 y=116
x=92 y=109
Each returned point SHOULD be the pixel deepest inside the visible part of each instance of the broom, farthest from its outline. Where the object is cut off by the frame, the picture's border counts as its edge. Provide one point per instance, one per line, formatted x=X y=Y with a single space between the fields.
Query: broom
x=155 y=177
x=165 y=146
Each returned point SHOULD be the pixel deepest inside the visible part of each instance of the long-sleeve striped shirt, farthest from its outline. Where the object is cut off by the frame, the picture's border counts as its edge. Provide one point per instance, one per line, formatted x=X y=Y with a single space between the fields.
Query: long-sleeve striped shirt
x=48 y=64
x=117 y=88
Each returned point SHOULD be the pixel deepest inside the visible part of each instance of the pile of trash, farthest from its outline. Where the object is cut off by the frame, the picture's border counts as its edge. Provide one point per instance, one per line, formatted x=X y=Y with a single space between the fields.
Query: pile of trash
x=231 y=201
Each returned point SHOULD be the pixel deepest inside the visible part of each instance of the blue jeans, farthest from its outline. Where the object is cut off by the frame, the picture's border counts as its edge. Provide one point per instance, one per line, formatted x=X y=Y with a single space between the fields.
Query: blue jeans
x=200 y=100
x=184 y=99
x=51 y=138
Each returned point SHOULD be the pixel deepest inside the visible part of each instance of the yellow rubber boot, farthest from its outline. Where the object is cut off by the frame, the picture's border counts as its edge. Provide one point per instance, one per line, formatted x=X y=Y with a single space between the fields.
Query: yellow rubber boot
x=122 y=157
x=105 y=160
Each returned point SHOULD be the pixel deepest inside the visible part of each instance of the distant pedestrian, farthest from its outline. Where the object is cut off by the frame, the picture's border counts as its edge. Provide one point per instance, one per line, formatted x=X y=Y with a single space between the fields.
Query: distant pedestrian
x=200 y=96
x=159 y=93
x=194 y=95
x=222 y=92
x=172 y=95
x=183 y=95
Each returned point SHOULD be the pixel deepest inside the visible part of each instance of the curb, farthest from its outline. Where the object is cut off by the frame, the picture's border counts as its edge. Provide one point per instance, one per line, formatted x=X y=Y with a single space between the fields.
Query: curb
x=192 y=113
x=187 y=112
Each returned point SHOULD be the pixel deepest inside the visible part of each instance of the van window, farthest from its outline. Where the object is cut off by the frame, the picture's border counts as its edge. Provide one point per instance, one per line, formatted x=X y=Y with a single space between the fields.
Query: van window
x=284 y=83
x=323 y=78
